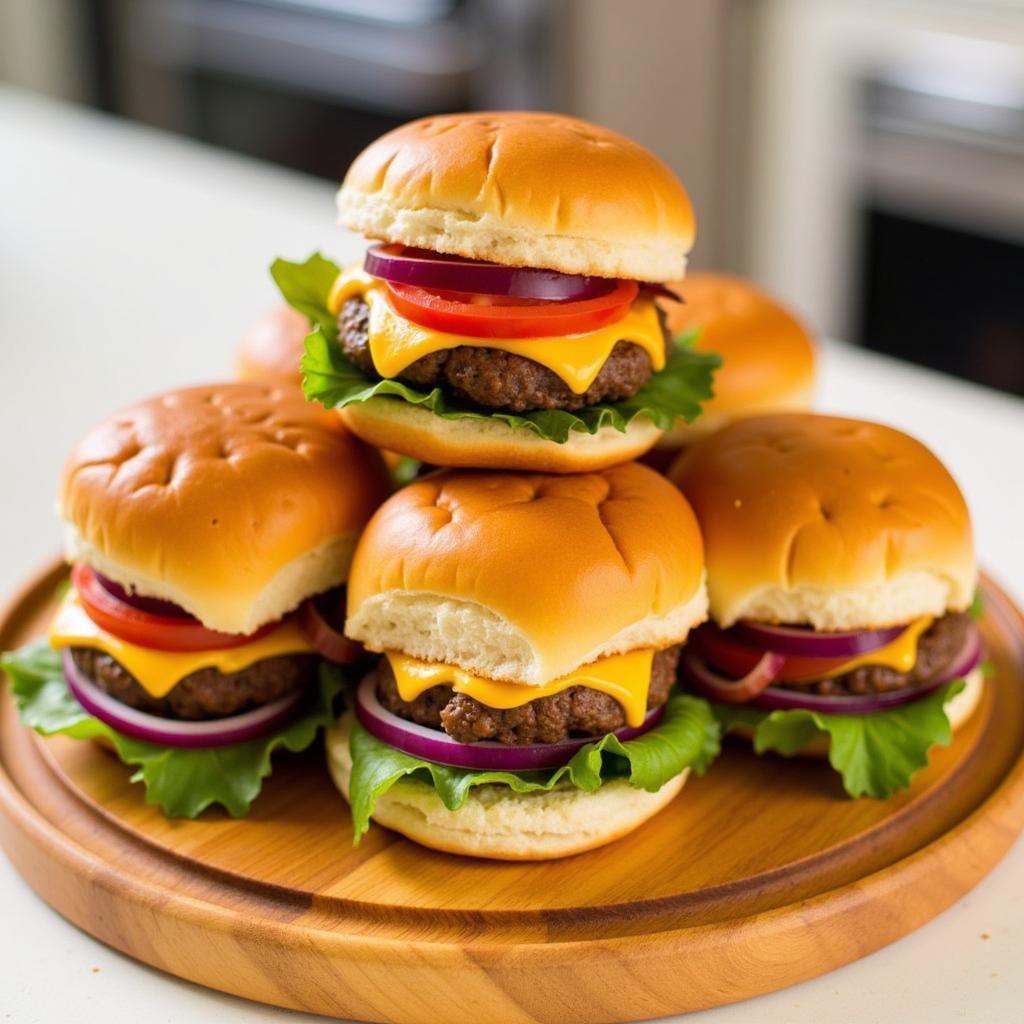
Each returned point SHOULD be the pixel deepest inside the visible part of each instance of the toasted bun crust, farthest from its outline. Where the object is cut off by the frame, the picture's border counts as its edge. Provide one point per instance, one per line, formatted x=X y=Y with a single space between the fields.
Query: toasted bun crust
x=958 y=711
x=500 y=824
x=527 y=577
x=236 y=501
x=834 y=522
x=270 y=350
x=489 y=443
x=525 y=189
x=768 y=355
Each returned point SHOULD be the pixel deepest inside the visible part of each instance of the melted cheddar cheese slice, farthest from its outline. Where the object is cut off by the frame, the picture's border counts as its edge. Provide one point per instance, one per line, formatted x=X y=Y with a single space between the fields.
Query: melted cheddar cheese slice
x=899 y=655
x=624 y=677
x=158 y=672
x=395 y=342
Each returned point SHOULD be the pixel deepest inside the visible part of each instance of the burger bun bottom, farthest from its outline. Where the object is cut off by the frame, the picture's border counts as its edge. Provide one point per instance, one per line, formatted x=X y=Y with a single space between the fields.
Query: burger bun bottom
x=499 y=824
x=490 y=443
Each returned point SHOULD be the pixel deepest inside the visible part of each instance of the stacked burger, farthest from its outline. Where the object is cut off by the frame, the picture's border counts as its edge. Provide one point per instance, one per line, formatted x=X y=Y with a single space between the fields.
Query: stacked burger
x=524 y=704
x=210 y=532
x=528 y=602
x=841 y=576
x=507 y=315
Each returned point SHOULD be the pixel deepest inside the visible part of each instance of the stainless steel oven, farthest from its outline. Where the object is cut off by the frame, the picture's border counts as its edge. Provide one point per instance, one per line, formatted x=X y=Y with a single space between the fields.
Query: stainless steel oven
x=885 y=180
x=940 y=271
x=308 y=83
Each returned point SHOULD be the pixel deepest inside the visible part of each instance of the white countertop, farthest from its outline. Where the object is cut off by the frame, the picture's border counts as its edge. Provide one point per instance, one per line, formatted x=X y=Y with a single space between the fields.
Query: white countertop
x=129 y=263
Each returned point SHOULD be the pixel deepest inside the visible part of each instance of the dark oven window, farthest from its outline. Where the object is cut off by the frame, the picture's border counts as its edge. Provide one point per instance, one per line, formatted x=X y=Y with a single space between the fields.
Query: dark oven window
x=943 y=298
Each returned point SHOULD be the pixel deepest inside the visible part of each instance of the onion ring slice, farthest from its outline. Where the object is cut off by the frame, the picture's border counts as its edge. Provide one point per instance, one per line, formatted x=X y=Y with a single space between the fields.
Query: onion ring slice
x=171 y=732
x=967 y=658
x=732 y=691
x=487 y=755
x=804 y=642
x=441 y=272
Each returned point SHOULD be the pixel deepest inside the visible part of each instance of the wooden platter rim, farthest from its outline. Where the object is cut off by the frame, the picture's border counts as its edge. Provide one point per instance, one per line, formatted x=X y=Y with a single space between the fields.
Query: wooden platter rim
x=1005 y=801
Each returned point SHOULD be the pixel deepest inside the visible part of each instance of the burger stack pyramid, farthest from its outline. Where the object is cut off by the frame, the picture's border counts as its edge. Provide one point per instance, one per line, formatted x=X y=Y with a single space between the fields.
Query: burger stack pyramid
x=529 y=594
x=534 y=640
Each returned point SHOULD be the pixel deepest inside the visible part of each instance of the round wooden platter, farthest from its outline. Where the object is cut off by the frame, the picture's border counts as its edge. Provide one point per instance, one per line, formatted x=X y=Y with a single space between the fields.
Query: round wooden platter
x=760 y=875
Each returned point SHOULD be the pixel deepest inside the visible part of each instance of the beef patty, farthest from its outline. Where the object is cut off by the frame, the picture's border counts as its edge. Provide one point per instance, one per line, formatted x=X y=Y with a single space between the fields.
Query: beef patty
x=204 y=694
x=499 y=380
x=935 y=650
x=577 y=711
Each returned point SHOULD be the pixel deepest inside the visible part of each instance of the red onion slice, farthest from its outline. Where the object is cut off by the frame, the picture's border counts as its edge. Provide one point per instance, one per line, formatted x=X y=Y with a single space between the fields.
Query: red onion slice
x=966 y=660
x=316 y=617
x=732 y=691
x=171 y=732
x=804 y=642
x=440 y=272
x=487 y=755
x=150 y=605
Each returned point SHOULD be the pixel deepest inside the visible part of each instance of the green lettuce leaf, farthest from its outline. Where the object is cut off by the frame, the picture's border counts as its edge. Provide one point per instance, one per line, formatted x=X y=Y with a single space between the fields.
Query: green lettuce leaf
x=688 y=736
x=876 y=754
x=183 y=783
x=332 y=380
x=406 y=470
x=306 y=287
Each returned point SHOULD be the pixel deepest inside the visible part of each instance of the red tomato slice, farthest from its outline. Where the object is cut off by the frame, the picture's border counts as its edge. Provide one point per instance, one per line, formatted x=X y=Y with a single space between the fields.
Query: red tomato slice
x=159 y=632
x=723 y=653
x=802 y=670
x=493 y=316
x=735 y=658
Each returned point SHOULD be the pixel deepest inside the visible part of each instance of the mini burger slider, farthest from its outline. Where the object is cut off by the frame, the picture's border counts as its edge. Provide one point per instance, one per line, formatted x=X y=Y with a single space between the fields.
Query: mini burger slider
x=768 y=355
x=530 y=628
x=505 y=318
x=840 y=574
x=197 y=523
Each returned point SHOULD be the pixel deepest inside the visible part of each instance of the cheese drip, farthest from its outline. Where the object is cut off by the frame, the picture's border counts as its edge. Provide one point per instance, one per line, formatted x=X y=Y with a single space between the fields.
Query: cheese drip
x=158 y=672
x=900 y=654
x=624 y=677
x=396 y=343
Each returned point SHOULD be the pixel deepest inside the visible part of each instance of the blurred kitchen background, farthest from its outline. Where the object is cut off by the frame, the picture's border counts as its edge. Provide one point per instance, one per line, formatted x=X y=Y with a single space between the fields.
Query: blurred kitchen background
x=864 y=159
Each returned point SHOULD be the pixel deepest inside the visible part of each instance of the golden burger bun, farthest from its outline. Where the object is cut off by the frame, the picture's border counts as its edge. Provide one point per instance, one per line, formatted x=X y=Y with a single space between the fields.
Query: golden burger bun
x=768 y=355
x=527 y=577
x=270 y=351
x=836 y=523
x=234 y=501
x=485 y=441
x=497 y=822
x=523 y=189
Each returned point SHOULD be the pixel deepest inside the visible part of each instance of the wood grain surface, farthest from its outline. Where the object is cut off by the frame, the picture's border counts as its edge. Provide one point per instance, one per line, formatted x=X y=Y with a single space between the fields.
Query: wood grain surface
x=758 y=876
